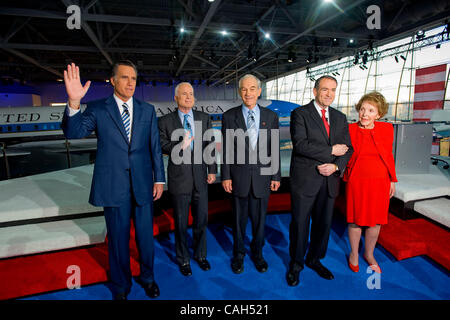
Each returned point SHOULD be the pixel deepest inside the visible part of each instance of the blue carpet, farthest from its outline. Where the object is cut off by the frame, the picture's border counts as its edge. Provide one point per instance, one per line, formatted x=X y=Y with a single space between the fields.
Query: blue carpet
x=410 y=279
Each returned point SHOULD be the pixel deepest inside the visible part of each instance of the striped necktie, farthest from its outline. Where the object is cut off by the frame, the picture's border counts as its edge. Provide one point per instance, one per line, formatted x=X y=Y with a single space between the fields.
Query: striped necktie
x=251 y=129
x=126 y=120
x=187 y=127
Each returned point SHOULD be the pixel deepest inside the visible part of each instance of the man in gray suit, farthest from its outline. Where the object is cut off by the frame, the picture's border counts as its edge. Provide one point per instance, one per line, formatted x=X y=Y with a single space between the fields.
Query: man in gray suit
x=246 y=175
x=188 y=175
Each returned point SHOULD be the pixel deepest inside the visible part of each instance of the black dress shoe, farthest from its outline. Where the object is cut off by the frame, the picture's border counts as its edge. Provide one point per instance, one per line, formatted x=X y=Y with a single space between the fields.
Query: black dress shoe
x=203 y=264
x=185 y=270
x=292 y=277
x=120 y=296
x=237 y=265
x=261 y=265
x=320 y=269
x=152 y=290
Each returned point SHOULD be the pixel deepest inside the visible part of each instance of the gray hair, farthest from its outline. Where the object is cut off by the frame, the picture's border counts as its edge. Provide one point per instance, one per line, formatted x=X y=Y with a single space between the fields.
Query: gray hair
x=317 y=83
x=248 y=75
x=178 y=86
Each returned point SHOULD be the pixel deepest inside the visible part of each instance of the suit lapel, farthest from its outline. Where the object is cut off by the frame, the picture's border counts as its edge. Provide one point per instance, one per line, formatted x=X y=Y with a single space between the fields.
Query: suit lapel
x=239 y=119
x=137 y=115
x=263 y=120
x=113 y=110
x=176 y=120
x=332 y=120
x=315 y=116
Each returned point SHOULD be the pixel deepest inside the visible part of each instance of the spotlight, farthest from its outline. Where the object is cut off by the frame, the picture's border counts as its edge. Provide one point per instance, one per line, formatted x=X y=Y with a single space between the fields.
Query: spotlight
x=267 y=35
x=351 y=41
x=224 y=32
x=420 y=34
x=182 y=30
x=334 y=42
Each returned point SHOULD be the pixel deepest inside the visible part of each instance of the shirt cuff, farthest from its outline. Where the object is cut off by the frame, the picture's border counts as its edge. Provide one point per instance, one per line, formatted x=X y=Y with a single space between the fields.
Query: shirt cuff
x=71 y=112
x=160 y=183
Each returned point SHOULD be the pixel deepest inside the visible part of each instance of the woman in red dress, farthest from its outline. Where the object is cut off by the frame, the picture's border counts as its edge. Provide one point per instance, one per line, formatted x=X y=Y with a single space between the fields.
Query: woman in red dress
x=370 y=177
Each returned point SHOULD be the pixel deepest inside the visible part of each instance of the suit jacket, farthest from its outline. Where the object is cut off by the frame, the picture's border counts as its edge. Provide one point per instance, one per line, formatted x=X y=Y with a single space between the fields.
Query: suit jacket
x=117 y=159
x=383 y=137
x=312 y=147
x=182 y=178
x=246 y=174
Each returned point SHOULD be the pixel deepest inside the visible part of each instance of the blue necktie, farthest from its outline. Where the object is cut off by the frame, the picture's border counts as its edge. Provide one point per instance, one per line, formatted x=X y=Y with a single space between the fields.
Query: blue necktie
x=251 y=128
x=126 y=120
x=187 y=127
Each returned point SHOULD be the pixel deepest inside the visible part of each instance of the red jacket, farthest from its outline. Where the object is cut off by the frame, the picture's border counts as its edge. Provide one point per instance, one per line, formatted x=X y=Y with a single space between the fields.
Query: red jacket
x=383 y=135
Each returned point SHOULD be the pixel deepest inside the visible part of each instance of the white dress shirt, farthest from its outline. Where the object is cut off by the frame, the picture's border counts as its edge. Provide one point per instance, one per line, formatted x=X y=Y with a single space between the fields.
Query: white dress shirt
x=319 y=110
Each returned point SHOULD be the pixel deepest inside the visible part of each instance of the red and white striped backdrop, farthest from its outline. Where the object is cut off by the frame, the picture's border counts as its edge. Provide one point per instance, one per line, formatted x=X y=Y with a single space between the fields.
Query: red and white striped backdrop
x=429 y=91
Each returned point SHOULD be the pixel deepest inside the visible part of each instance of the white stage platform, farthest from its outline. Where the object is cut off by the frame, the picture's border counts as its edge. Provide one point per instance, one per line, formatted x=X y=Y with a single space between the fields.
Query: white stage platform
x=49 y=236
x=51 y=195
x=412 y=187
x=46 y=195
x=436 y=209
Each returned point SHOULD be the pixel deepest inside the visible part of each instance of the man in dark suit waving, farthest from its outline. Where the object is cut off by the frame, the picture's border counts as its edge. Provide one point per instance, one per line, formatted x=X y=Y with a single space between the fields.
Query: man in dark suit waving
x=321 y=149
x=188 y=174
x=245 y=173
x=128 y=172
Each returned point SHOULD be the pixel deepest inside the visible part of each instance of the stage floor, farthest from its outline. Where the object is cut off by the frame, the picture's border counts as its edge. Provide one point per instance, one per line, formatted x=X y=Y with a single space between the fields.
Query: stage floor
x=410 y=279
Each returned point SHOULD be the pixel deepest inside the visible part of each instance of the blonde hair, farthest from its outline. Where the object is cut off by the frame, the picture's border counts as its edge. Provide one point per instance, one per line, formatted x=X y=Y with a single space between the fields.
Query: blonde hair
x=377 y=99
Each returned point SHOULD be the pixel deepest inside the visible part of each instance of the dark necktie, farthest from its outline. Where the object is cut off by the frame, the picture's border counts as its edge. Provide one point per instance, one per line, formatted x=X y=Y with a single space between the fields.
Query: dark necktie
x=126 y=120
x=325 y=122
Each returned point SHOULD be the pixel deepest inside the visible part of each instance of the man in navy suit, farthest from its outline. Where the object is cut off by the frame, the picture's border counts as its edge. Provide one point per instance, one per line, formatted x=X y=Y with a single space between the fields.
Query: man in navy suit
x=128 y=172
x=248 y=177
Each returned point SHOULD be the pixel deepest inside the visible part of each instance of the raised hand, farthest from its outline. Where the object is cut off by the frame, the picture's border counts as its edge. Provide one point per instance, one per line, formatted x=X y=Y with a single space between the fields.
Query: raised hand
x=74 y=89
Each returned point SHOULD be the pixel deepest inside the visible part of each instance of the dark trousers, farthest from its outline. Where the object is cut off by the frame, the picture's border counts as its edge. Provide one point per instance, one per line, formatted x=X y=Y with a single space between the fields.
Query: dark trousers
x=243 y=208
x=199 y=209
x=118 y=222
x=319 y=208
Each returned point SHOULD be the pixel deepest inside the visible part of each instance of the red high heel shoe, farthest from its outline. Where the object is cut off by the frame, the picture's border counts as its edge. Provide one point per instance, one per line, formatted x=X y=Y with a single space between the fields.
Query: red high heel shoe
x=353 y=267
x=374 y=267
